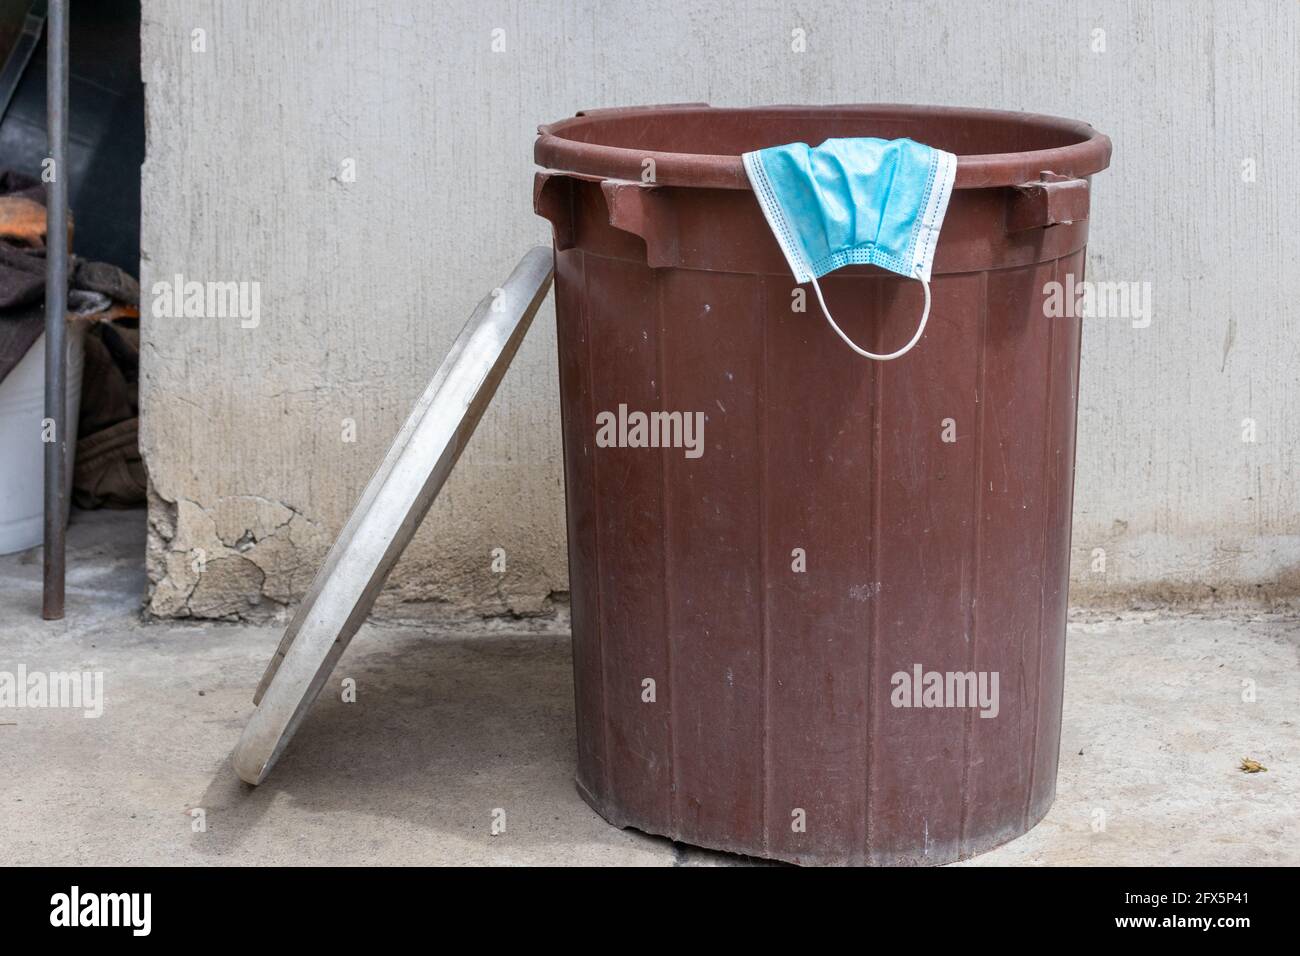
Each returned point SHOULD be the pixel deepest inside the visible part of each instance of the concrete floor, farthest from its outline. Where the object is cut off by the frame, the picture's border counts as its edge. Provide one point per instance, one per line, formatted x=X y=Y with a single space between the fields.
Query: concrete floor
x=448 y=727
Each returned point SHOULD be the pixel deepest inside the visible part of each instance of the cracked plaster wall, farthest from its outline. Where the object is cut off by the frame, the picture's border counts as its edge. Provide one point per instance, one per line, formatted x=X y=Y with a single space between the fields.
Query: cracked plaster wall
x=365 y=283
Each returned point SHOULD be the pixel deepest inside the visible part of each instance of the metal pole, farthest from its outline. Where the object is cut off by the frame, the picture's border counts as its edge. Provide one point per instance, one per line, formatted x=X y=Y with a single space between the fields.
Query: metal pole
x=56 y=300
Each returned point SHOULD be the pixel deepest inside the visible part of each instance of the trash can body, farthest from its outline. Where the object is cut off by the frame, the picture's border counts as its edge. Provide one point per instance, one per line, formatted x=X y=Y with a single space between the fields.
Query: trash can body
x=744 y=601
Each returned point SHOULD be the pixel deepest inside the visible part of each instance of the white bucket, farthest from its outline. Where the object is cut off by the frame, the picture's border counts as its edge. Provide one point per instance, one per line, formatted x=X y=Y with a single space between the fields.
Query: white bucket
x=22 y=453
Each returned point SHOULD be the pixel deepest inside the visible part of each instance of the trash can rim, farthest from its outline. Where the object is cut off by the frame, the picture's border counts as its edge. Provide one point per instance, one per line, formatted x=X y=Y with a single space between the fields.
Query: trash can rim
x=560 y=146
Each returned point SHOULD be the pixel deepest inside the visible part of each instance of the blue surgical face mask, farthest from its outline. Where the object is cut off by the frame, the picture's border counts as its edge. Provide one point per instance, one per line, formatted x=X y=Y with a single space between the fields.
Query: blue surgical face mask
x=855 y=202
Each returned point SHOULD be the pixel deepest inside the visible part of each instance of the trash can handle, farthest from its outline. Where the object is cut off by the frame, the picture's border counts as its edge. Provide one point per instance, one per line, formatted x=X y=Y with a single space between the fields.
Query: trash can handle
x=1051 y=200
x=916 y=336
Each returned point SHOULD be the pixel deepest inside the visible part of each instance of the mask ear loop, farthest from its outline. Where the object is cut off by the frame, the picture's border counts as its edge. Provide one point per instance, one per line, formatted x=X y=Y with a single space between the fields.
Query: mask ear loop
x=925 y=316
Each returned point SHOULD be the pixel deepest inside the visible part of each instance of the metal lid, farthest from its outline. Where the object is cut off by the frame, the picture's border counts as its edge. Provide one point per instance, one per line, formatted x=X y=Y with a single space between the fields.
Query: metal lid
x=389 y=512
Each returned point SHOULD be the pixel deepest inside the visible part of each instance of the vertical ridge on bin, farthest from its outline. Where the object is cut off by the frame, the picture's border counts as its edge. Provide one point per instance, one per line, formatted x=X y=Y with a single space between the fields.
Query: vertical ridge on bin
x=1045 y=477
x=598 y=624
x=1072 y=412
x=1016 y=354
x=977 y=549
x=630 y=537
x=877 y=595
x=711 y=349
x=816 y=489
x=924 y=523
x=764 y=546
x=1065 y=359
x=665 y=514
x=575 y=385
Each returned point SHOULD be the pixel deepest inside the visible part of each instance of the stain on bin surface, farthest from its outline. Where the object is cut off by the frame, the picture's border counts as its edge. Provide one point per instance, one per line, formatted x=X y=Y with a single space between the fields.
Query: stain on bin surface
x=745 y=622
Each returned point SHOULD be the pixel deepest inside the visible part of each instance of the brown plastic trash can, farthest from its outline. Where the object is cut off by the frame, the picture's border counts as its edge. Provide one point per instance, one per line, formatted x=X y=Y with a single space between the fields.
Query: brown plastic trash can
x=752 y=613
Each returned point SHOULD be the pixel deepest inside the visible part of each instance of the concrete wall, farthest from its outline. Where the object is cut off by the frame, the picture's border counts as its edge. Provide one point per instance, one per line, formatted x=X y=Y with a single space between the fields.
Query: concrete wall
x=364 y=283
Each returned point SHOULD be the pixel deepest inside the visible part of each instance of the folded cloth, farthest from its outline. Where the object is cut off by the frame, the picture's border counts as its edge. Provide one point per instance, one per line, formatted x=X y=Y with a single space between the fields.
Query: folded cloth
x=108 y=471
x=96 y=289
x=22 y=276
